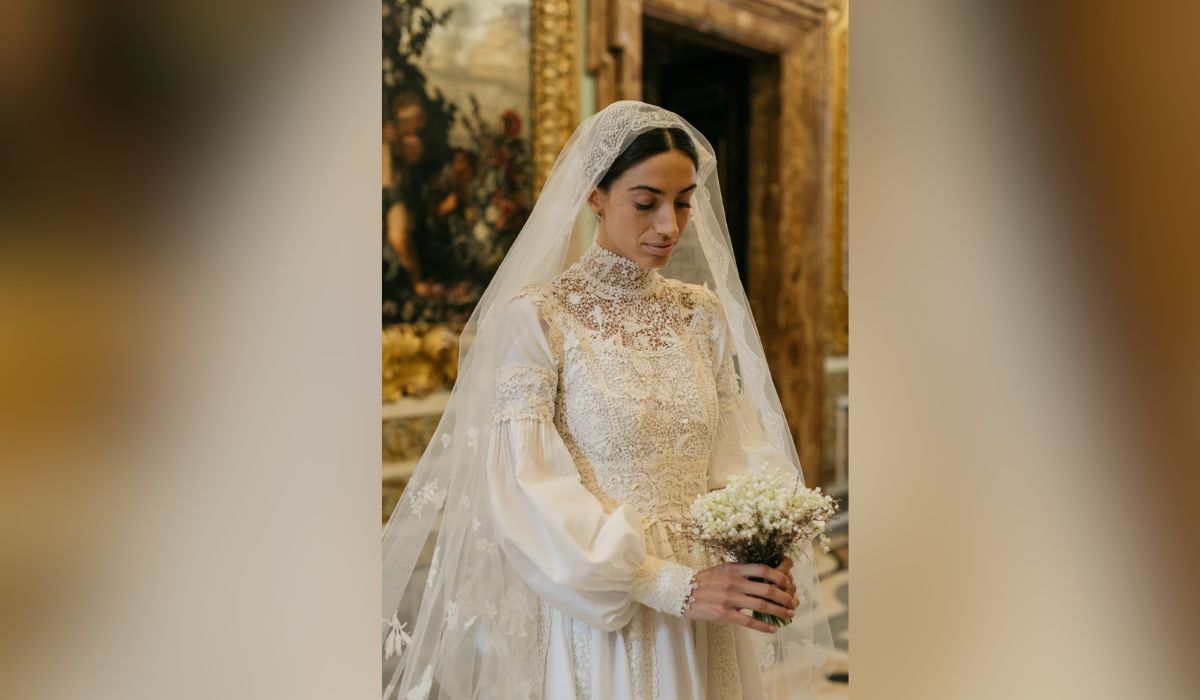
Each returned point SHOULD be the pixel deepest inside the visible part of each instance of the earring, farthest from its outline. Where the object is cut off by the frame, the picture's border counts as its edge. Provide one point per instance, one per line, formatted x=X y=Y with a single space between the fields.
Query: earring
x=599 y=216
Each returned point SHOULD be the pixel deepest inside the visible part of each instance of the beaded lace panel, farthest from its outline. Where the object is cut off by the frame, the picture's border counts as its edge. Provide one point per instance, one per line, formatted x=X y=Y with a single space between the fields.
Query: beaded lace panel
x=636 y=400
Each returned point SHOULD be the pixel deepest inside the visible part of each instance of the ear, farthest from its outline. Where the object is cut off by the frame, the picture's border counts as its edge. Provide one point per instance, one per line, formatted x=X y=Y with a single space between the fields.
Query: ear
x=597 y=200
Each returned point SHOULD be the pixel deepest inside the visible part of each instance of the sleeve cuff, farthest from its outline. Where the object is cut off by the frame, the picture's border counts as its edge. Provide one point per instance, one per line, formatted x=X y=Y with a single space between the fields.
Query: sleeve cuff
x=663 y=585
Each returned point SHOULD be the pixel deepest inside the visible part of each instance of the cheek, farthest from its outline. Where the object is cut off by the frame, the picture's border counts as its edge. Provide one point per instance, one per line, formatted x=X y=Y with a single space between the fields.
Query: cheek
x=636 y=220
x=682 y=216
x=630 y=225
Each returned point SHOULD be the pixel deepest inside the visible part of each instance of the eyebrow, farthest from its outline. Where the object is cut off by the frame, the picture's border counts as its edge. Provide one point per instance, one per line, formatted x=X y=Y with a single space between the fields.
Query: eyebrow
x=655 y=190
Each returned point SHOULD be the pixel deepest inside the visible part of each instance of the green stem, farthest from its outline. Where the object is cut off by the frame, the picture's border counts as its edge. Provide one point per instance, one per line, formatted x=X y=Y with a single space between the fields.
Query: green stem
x=771 y=619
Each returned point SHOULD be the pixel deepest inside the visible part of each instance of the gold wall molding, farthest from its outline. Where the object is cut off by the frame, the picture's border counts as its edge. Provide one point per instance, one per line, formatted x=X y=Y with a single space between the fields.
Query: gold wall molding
x=555 y=82
x=838 y=301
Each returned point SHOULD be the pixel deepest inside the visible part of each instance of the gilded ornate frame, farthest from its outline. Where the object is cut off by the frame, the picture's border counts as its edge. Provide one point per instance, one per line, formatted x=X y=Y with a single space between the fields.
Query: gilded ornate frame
x=555 y=81
x=837 y=303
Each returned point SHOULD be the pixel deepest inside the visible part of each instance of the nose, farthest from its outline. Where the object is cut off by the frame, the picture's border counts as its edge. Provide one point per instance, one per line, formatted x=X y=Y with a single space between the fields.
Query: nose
x=666 y=225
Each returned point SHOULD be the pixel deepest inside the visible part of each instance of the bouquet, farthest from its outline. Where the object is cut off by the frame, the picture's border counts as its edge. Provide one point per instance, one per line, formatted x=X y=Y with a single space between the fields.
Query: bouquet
x=761 y=516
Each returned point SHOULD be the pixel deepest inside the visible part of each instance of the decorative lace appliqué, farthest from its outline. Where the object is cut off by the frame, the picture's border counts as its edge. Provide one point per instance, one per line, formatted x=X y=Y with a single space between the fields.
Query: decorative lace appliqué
x=525 y=390
x=663 y=585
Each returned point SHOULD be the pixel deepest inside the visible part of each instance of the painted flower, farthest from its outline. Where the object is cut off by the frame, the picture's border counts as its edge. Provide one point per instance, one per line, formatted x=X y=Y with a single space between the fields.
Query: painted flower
x=512 y=123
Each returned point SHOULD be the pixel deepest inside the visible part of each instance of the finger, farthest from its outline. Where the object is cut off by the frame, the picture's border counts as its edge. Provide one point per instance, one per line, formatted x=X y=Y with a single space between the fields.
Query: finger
x=739 y=618
x=786 y=567
x=791 y=584
x=764 y=572
x=768 y=592
x=762 y=605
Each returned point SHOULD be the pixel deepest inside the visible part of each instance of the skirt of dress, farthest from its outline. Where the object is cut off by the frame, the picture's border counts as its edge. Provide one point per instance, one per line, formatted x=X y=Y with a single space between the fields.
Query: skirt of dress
x=655 y=657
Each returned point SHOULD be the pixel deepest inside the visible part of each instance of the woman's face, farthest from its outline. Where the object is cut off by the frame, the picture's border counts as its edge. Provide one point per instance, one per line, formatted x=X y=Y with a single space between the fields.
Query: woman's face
x=646 y=208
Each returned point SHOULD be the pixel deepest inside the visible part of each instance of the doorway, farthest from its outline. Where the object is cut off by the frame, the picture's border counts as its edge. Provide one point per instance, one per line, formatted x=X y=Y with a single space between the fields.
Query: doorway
x=707 y=82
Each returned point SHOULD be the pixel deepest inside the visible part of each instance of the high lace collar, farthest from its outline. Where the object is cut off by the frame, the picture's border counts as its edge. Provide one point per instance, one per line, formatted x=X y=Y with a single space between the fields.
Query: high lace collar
x=616 y=276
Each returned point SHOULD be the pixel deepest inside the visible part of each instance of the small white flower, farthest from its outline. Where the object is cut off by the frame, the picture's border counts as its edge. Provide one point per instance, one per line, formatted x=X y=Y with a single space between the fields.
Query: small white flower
x=766 y=503
x=446 y=439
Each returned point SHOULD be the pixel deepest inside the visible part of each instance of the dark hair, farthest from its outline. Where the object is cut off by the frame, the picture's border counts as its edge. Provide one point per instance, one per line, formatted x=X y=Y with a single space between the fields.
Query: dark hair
x=650 y=143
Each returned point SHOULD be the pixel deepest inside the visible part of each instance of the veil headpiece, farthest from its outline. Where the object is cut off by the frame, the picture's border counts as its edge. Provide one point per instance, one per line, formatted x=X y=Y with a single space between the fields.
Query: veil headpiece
x=457 y=621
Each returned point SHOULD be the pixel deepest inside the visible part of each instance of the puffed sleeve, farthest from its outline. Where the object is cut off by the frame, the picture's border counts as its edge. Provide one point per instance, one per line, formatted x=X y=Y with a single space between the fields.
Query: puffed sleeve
x=590 y=564
x=741 y=443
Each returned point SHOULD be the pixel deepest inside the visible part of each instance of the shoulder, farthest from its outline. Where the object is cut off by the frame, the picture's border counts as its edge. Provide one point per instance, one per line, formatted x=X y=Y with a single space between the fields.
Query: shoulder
x=537 y=298
x=542 y=293
x=549 y=297
x=693 y=296
x=533 y=306
x=701 y=308
x=521 y=309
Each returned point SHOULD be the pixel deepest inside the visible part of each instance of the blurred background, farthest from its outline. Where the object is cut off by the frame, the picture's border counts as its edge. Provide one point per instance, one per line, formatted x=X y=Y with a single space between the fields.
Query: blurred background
x=190 y=375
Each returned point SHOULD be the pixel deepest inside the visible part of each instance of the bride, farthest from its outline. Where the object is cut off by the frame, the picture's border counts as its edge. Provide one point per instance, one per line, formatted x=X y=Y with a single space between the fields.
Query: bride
x=595 y=401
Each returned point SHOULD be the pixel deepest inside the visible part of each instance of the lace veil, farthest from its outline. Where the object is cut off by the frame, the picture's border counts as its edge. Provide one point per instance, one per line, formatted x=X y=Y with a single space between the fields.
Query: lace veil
x=464 y=625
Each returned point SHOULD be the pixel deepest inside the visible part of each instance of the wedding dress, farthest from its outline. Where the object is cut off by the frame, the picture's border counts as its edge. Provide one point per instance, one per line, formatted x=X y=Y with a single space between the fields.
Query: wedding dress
x=595 y=402
x=616 y=406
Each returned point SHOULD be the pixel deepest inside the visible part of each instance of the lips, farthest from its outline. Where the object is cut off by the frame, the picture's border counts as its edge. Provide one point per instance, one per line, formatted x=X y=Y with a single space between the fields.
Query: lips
x=660 y=249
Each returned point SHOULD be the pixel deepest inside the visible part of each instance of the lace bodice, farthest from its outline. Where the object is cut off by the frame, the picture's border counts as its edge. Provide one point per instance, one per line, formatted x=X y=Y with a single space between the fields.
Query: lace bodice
x=640 y=381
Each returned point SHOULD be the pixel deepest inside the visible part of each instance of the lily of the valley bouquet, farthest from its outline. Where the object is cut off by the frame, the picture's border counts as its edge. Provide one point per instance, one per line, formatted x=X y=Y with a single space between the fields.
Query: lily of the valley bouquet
x=761 y=516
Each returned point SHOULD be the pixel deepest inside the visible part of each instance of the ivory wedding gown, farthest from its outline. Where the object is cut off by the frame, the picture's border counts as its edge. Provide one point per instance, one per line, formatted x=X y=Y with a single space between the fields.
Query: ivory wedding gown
x=616 y=404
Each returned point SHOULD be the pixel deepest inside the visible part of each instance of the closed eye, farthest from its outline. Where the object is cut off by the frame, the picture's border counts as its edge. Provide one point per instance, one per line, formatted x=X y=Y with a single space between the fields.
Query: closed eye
x=643 y=207
x=683 y=205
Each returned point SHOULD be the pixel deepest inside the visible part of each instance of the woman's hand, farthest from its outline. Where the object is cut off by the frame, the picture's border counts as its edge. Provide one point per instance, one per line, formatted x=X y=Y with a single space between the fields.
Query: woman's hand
x=723 y=591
